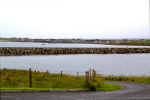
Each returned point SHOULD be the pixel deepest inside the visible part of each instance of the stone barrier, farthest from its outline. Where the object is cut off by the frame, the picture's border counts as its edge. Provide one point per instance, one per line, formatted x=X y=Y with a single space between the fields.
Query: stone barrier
x=48 y=51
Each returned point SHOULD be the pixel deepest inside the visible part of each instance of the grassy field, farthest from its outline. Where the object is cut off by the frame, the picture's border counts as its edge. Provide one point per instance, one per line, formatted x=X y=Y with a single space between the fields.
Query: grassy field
x=41 y=80
x=138 y=79
x=137 y=42
x=6 y=39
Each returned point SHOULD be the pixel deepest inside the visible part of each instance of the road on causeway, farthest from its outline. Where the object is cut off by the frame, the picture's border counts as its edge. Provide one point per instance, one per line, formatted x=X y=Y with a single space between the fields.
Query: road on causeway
x=130 y=91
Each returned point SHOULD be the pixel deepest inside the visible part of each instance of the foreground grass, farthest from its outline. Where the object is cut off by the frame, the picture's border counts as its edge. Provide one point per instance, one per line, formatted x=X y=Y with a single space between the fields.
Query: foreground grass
x=19 y=80
x=40 y=80
x=123 y=78
x=25 y=88
x=109 y=87
x=105 y=87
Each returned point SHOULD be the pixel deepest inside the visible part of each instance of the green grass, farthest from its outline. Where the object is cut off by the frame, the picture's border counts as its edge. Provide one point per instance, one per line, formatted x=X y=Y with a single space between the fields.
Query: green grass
x=109 y=87
x=44 y=81
x=137 y=42
x=6 y=39
x=41 y=80
x=123 y=78
x=105 y=87
x=26 y=88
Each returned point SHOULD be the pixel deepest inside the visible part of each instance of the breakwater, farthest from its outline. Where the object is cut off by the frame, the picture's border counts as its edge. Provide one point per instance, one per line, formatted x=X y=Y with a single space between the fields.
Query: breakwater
x=47 y=51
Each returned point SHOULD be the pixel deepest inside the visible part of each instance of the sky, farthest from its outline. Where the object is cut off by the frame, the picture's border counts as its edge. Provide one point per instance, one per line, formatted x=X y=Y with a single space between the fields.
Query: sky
x=87 y=19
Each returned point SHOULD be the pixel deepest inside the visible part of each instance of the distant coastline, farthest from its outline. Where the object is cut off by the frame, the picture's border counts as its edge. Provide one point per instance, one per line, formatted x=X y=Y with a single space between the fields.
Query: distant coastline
x=88 y=43
x=140 y=42
x=130 y=44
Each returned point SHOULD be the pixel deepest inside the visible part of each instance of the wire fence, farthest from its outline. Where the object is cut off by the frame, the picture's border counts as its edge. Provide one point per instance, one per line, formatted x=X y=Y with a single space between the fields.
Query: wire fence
x=35 y=73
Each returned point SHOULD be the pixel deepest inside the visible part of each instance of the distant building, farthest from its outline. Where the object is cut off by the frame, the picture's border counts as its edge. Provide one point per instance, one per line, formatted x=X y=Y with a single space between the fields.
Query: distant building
x=143 y=40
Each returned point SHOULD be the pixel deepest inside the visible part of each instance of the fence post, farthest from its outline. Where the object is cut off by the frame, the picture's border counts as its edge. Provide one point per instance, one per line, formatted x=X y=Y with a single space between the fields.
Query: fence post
x=35 y=72
x=90 y=73
x=30 y=78
x=77 y=74
x=61 y=73
x=4 y=71
x=14 y=72
x=87 y=79
x=47 y=72
x=93 y=73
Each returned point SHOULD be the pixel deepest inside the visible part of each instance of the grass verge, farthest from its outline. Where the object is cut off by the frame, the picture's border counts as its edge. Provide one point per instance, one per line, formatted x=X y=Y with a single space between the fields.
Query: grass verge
x=19 y=80
x=123 y=78
x=105 y=87
x=109 y=87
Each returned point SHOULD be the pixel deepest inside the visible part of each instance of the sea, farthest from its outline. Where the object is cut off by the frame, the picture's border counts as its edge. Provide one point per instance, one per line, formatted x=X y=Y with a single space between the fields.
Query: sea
x=106 y=64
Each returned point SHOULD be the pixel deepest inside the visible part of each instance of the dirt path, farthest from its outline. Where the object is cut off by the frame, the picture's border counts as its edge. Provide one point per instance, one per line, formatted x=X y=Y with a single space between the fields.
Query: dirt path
x=130 y=91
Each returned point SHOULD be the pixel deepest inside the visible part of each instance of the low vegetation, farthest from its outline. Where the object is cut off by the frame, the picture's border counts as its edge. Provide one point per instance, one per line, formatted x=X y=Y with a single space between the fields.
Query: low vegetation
x=6 y=39
x=123 y=78
x=137 y=42
x=109 y=87
x=40 y=80
x=19 y=80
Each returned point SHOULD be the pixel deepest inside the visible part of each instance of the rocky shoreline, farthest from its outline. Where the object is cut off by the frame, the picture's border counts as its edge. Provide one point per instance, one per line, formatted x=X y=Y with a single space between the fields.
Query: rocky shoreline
x=48 y=51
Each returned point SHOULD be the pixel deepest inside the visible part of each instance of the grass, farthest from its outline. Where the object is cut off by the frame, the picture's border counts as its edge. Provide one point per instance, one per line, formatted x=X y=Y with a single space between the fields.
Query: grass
x=6 y=39
x=43 y=81
x=123 y=78
x=137 y=42
x=109 y=87
x=25 y=88
x=105 y=87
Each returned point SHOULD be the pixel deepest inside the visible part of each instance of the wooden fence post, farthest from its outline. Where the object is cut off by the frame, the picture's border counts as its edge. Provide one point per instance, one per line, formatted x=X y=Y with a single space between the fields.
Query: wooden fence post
x=35 y=72
x=14 y=72
x=30 y=78
x=90 y=73
x=47 y=72
x=93 y=73
x=4 y=71
x=61 y=73
x=87 y=79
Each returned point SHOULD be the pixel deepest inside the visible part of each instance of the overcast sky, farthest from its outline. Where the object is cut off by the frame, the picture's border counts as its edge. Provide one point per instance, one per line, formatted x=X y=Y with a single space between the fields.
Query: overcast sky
x=95 y=19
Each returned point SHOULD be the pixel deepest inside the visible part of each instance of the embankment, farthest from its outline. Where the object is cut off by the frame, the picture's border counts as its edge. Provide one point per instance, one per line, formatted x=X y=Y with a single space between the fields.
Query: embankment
x=47 y=51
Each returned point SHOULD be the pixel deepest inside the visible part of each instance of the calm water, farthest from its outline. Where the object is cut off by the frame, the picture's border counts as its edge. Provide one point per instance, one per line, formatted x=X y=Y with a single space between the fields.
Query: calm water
x=112 y=64
x=63 y=45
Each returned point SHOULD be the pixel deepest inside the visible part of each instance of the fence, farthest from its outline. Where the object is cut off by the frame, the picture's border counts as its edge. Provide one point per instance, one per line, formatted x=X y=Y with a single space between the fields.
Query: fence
x=14 y=72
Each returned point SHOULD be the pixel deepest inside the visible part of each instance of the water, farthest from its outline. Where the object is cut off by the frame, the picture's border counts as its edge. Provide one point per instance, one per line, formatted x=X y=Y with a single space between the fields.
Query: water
x=106 y=64
x=63 y=45
x=112 y=64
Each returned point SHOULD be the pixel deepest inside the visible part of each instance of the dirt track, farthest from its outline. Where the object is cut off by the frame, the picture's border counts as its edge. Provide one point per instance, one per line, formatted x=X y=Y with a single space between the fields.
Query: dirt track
x=130 y=91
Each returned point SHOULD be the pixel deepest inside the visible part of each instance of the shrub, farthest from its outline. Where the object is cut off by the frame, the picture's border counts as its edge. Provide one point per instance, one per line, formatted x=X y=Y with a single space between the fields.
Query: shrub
x=96 y=82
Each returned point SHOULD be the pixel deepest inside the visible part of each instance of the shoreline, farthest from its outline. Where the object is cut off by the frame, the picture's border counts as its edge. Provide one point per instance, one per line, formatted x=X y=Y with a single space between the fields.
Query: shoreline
x=85 y=43
x=129 y=44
